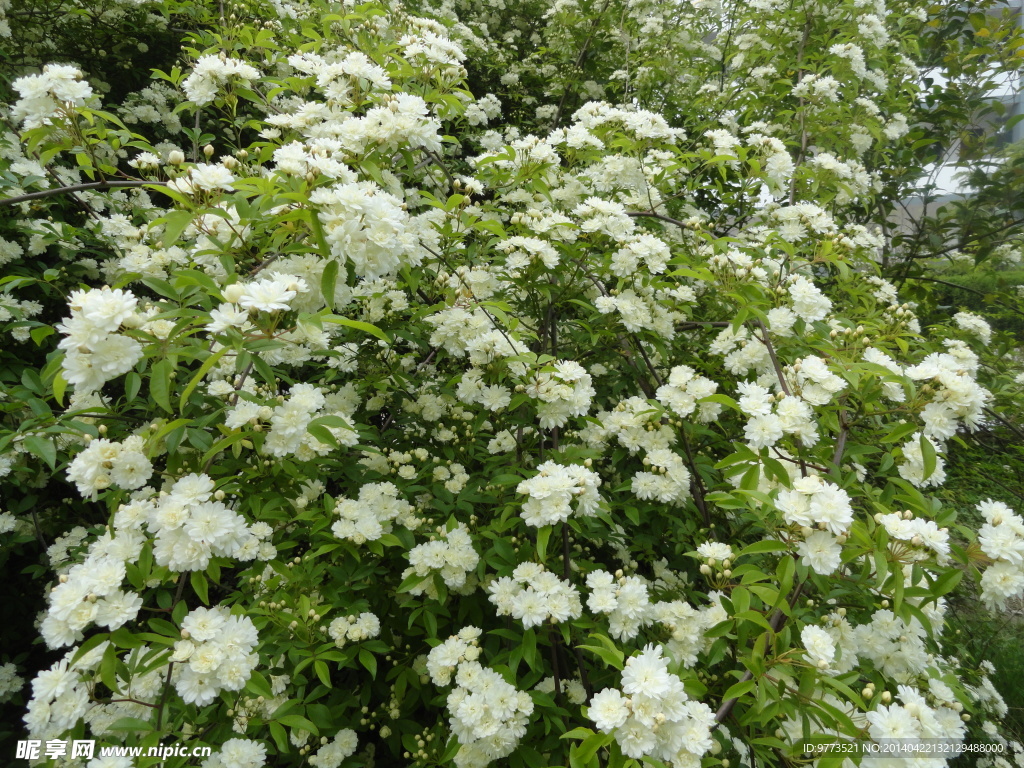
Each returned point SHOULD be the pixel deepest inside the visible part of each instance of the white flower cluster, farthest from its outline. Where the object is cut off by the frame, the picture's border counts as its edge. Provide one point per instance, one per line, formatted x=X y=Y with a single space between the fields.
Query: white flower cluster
x=43 y=95
x=1002 y=539
x=646 y=308
x=203 y=177
x=686 y=626
x=643 y=248
x=564 y=392
x=94 y=353
x=238 y=753
x=775 y=159
x=684 y=392
x=483 y=109
x=211 y=73
x=595 y=115
x=488 y=716
x=655 y=718
x=813 y=380
x=667 y=481
x=816 y=503
x=274 y=292
x=796 y=222
x=337 y=74
x=625 y=601
x=60 y=695
x=10 y=681
x=89 y=592
x=190 y=528
x=634 y=424
x=218 y=649
x=791 y=416
x=452 y=556
x=557 y=491
x=333 y=753
x=354 y=628
x=520 y=252
x=290 y=421
x=472 y=390
x=972 y=323
x=914 y=719
x=105 y=462
x=925 y=535
x=895 y=647
x=460 y=331
x=370 y=517
x=365 y=226
x=534 y=595
x=958 y=396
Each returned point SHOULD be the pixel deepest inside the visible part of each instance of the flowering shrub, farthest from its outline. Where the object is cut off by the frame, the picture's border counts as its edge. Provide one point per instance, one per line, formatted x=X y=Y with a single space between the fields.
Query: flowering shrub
x=400 y=422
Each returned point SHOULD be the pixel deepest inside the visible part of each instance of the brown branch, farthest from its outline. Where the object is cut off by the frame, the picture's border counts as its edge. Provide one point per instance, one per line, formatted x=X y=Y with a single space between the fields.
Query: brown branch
x=108 y=184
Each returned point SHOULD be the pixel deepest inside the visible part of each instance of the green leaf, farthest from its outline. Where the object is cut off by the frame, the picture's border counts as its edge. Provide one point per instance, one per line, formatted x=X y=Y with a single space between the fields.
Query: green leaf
x=88 y=645
x=359 y=325
x=607 y=651
x=280 y=735
x=160 y=384
x=298 y=721
x=198 y=580
x=768 y=545
x=329 y=282
x=543 y=536
x=44 y=448
x=739 y=689
x=130 y=724
x=108 y=668
x=60 y=385
x=203 y=370
x=928 y=455
x=584 y=752
x=174 y=224
x=369 y=661
x=946 y=583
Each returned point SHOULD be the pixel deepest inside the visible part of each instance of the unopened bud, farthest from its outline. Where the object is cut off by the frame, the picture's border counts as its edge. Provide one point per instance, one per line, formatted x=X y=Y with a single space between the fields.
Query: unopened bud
x=233 y=293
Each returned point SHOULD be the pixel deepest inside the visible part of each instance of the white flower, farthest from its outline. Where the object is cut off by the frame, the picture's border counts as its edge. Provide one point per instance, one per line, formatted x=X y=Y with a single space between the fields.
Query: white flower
x=821 y=649
x=271 y=293
x=608 y=710
x=821 y=552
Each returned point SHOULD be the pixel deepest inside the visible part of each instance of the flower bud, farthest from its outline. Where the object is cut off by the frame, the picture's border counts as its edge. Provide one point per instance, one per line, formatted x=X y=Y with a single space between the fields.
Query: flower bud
x=176 y=157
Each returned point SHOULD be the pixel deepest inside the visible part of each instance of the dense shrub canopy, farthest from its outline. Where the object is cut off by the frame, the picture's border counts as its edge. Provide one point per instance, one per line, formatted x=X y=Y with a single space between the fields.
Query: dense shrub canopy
x=524 y=384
